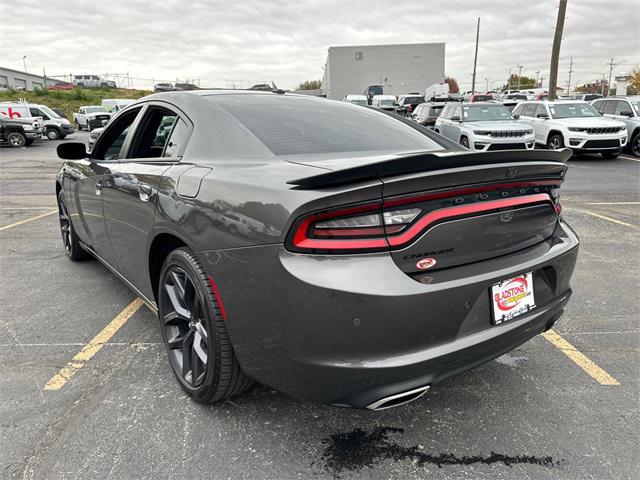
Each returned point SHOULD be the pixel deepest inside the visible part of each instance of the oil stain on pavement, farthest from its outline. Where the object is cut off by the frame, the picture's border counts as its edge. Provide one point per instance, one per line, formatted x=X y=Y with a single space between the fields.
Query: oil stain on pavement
x=354 y=450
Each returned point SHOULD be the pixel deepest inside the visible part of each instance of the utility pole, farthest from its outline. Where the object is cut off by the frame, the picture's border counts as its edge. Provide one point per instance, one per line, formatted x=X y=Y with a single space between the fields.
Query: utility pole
x=602 y=85
x=537 y=75
x=509 y=80
x=555 y=51
x=570 y=72
x=475 y=59
x=24 y=63
x=611 y=65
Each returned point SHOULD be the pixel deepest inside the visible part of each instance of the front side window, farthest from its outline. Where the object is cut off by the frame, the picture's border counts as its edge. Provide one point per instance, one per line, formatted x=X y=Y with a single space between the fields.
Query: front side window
x=541 y=110
x=573 y=110
x=153 y=134
x=477 y=113
x=35 y=112
x=599 y=106
x=112 y=140
x=622 y=106
x=610 y=107
x=530 y=110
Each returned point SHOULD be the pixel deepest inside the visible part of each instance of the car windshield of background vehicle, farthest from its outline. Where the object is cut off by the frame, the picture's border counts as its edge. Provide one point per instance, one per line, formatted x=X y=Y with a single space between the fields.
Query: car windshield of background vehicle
x=478 y=113
x=375 y=90
x=573 y=110
x=636 y=106
x=49 y=112
x=413 y=100
x=286 y=127
x=95 y=109
x=359 y=102
x=387 y=103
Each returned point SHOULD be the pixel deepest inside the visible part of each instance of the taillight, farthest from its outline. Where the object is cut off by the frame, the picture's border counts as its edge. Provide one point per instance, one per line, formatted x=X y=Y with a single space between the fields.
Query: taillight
x=396 y=223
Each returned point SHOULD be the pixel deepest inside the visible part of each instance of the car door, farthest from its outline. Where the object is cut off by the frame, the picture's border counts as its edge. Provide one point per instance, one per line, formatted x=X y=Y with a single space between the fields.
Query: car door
x=85 y=179
x=444 y=127
x=130 y=192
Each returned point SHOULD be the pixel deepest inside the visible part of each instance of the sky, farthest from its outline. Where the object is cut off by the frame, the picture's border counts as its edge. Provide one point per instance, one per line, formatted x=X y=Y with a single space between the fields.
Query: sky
x=226 y=44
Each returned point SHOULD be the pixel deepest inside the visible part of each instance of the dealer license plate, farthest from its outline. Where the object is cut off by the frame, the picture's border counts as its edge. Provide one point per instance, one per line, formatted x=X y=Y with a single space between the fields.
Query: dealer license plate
x=512 y=297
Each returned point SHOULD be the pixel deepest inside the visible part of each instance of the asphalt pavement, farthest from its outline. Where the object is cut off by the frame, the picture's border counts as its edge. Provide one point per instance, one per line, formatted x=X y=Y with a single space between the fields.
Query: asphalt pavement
x=540 y=412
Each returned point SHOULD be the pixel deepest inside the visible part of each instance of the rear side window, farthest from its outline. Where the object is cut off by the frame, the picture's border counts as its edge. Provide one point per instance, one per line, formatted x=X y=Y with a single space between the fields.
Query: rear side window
x=177 y=140
x=296 y=125
x=530 y=110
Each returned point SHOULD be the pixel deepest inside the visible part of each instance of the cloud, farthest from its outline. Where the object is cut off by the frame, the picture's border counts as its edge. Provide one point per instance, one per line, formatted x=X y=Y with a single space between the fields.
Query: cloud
x=227 y=43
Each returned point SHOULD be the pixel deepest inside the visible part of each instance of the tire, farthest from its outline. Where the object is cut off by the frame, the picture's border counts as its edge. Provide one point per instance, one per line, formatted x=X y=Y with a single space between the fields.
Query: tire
x=555 y=142
x=70 y=240
x=16 y=140
x=464 y=141
x=610 y=155
x=634 y=146
x=53 y=134
x=78 y=126
x=204 y=344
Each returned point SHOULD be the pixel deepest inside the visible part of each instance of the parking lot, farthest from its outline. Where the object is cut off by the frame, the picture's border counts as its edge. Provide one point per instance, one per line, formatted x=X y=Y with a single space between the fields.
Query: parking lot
x=562 y=406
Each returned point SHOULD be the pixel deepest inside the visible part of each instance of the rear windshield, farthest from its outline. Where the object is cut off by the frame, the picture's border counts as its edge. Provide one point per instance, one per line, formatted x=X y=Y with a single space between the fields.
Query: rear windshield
x=375 y=90
x=414 y=100
x=435 y=111
x=289 y=125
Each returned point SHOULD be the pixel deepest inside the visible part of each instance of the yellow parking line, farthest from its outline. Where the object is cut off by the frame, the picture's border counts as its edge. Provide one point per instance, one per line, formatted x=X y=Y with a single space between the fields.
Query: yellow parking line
x=11 y=225
x=604 y=217
x=580 y=359
x=629 y=158
x=90 y=349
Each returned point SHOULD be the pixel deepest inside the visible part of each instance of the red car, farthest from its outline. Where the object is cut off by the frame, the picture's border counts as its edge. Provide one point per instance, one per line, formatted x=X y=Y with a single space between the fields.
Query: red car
x=61 y=86
x=480 y=98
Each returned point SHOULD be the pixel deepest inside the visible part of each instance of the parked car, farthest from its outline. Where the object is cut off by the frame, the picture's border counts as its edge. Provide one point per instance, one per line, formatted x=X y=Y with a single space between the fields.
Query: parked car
x=627 y=111
x=55 y=126
x=483 y=127
x=309 y=311
x=541 y=96
x=478 y=97
x=186 y=86
x=427 y=113
x=371 y=91
x=90 y=117
x=514 y=97
x=163 y=87
x=114 y=105
x=356 y=99
x=437 y=91
x=61 y=86
x=407 y=103
x=93 y=81
x=587 y=97
x=18 y=133
x=384 y=102
x=93 y=137
x=573 y=124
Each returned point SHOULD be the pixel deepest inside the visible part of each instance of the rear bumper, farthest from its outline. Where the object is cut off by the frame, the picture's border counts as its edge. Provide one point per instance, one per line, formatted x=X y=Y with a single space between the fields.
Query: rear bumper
x=349 y=330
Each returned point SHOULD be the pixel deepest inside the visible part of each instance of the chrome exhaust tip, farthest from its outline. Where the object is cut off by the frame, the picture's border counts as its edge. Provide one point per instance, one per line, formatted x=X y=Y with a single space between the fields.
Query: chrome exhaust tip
x=399 y=398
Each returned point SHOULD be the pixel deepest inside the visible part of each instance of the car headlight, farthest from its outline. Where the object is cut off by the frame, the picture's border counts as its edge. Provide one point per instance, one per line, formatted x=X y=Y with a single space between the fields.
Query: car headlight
x=481 y=132
x=28 y=128
x=577 y=129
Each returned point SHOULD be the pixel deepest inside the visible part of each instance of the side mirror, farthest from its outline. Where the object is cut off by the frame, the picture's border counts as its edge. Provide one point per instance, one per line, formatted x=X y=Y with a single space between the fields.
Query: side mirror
x=104 y=122
x=626 y=113
x=72 y=151
x=455 y=118
x=543 y=116
x=516 y=116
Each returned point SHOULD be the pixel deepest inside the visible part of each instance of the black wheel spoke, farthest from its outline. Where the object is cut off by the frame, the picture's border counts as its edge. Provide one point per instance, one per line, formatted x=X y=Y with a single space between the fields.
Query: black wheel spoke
x=185 y=332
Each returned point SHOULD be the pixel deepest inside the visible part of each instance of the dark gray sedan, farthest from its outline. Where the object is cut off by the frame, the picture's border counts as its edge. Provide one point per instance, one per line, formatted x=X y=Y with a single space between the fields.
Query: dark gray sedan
x=340 y=254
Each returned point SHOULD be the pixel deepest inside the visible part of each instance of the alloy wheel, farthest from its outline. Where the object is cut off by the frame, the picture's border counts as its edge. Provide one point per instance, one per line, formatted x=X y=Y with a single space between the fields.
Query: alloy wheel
x=184 y=326
x=65 y=226
x=16 y=140
x=635 y=146
x=554 y=143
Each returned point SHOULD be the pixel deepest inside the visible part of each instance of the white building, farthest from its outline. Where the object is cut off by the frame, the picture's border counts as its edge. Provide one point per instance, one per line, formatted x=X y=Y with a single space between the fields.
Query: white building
x=397 y=68
x=10 y=78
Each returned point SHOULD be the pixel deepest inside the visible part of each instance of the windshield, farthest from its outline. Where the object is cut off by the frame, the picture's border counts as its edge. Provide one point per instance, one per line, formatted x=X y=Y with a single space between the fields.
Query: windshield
x=284 y=125
x=636 y=106
x=573 y=110
x=413 y=100
x=359 y=102
x=375 y=90
x=49 y=112
x=387 y=102
x=476 y=113
x=95 y=109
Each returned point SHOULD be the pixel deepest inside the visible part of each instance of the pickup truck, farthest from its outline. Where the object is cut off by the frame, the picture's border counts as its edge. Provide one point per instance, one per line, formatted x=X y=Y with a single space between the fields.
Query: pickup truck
x=91 y=117
x=18 y=133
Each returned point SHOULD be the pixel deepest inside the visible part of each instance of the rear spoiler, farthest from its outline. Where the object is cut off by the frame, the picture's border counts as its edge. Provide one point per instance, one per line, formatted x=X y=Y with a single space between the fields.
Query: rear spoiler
x=427 y=162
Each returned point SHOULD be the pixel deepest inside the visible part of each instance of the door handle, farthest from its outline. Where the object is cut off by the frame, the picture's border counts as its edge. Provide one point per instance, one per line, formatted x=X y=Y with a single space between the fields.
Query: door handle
x=99 y=186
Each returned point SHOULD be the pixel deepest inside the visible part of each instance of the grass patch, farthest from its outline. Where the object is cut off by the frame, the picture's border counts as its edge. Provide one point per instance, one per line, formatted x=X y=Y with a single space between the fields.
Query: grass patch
x=70 y=101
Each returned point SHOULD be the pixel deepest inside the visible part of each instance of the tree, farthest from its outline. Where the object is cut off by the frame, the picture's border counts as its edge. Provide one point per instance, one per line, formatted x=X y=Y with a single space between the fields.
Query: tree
x=310 y=85
x=634 y=83
x=523 y=82
x=453 y=84
x=595 y=87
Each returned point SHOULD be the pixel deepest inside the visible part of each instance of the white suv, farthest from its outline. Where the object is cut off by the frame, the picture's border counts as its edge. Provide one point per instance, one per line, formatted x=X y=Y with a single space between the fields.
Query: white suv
x=627 y=111
x=573 y=124
x=483 y=126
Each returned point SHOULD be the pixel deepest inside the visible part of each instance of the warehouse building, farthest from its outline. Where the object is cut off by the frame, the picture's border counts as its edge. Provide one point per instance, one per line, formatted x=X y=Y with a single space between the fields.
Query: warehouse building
x=398 y=68
x=10 y=78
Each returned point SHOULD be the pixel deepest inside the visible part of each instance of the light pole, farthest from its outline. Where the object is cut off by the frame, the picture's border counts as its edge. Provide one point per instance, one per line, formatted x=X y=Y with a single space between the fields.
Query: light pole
x=519 y=75
x=509 y=80
x=24 y=63
x=537 y=74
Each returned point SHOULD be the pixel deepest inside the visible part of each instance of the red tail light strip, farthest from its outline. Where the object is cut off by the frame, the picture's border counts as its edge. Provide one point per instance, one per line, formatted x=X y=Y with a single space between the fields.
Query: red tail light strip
x=450 y=212
x=300 y=239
